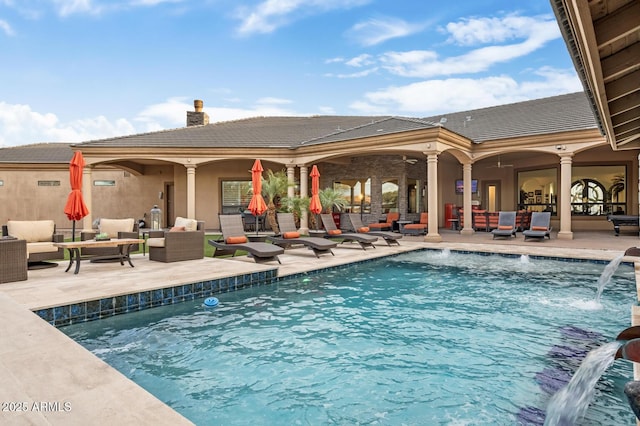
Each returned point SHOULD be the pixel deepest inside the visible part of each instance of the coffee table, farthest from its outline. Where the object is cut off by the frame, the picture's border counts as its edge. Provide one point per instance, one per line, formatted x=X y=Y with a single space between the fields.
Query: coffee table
x=124 y=245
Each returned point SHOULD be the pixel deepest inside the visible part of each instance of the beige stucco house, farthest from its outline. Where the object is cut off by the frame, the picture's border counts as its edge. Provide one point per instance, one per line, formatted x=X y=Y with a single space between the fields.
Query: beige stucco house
x=544 y=154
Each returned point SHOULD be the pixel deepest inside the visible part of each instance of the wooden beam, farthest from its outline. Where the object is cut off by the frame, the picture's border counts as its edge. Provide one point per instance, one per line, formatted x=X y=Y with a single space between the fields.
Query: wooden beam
x=624 y=104
x=623 y=86
x=626 y=116
x=618 y=24
x=622 y=62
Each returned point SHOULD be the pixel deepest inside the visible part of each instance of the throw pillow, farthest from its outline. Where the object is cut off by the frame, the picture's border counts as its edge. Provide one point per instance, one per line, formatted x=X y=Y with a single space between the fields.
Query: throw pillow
x=288 y=235
x=237 y=240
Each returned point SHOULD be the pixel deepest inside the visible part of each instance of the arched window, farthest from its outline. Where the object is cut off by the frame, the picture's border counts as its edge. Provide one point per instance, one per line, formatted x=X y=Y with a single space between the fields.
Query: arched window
x=587 y=197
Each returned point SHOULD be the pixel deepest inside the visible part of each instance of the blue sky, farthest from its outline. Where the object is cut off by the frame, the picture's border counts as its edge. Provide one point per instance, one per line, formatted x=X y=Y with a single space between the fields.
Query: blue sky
x=77 y=70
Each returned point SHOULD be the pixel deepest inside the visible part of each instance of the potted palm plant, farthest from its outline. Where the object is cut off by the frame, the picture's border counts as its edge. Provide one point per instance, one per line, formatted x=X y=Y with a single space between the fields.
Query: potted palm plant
x=274 y=187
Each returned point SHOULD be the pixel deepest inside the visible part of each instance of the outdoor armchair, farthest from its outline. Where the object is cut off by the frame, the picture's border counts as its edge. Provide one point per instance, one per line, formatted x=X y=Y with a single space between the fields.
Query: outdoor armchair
x=184 y=241
x=113 y=228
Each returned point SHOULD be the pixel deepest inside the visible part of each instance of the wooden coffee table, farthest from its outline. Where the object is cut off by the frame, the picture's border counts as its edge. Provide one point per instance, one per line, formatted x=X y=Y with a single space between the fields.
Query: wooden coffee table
x=124 y=245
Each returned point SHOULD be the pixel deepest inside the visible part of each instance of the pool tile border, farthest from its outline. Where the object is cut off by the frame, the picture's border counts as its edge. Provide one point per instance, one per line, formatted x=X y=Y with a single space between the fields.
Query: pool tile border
x=92 y=310
x=107 y=307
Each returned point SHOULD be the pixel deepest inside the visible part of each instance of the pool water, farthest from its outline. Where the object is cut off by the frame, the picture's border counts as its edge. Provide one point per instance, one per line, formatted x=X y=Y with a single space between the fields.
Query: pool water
x=422 y=338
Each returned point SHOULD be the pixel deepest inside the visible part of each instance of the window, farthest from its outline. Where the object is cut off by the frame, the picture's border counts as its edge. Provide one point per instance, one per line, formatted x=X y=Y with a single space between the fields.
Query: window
x=48 y=183
x=104 y=183
x=236 y=195
x=598 y=190
x=357 y=194
x=389 y=195
x=538 y=190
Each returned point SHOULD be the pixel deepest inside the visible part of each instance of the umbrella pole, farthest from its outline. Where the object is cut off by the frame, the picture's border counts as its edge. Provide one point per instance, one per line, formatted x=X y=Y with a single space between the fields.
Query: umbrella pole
x=73 y=231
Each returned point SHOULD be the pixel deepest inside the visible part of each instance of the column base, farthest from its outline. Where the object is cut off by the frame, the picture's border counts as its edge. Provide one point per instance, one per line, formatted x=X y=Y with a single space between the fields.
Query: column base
x=467 y=231
x=565 y=235
x=433 y=238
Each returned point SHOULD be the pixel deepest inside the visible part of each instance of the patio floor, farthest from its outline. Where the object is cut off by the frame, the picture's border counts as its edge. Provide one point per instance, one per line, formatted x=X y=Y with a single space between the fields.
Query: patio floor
x=53 y=380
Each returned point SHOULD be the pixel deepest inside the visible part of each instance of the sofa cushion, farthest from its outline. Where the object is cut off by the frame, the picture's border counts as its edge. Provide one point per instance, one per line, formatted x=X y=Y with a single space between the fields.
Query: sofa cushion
x=177 y=229
x=189 y=224
x=155 y=242
x=33 y=231
x=41 y=247
x=111 y=227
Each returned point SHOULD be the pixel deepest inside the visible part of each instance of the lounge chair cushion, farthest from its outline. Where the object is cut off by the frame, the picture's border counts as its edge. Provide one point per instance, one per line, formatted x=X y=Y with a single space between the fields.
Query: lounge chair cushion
x=539 y=228
x=177 y=229
x=334 y=232
x=505 y=227
x=41 y=247
x=363 y=229
x=289 y=235
x=236 y=240
x=33 y=231
x=111 y=227
x=189 y=224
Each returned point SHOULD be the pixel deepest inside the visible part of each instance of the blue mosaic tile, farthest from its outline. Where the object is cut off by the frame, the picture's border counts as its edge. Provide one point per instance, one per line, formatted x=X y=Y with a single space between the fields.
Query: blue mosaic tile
x=120 y=304
x=93 y=310
x=198 y=289
x=157 y=296
x=61 y=314
x=106 y=305
x=78 y=310
x=145 y=300
x=45 y=314
x=167 y=296
x=133 y=301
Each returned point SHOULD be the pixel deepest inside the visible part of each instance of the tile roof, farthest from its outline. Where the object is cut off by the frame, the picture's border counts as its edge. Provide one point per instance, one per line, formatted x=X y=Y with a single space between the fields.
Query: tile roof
x=384 y=126
x=539 y=116
x=561 y=113
x=269 y=132
x=43 y=153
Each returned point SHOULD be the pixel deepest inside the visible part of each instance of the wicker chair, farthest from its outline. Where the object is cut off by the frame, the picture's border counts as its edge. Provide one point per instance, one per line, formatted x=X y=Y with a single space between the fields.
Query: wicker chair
x=40 y=236
x=177 y=244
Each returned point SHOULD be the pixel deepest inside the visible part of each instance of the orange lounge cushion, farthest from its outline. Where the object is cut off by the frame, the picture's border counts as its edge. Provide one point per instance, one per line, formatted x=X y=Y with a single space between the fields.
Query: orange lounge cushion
x=363 y=229
x=539 y=228
x=237 y=240
x=415 y=226
x=292 y=234
x=178 y=229
x=334 y=232
x=379 y=225
x=505 y=227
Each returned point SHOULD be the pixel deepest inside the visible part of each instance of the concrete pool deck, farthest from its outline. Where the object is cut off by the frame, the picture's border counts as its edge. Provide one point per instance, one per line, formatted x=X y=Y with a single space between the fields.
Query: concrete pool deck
x=49 y=379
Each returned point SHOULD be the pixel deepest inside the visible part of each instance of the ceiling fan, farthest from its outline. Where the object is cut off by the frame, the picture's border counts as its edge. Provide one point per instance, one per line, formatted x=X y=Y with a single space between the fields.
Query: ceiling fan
x=409 y=160
x=500 y=165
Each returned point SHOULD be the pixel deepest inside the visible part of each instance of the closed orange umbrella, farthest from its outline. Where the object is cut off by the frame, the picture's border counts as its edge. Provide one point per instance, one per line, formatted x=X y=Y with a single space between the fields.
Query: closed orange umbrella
x=75 y=209
x=257 y=206
x=315 y=206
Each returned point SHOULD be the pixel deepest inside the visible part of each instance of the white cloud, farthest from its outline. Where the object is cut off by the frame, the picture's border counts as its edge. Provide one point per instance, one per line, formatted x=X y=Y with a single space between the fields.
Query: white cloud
x=270 y=15
x=459 y=94
x=20 y=125
x=497 y=30
x=376 y=31
x=70 y=7
x=4 y=26
x=360 y=60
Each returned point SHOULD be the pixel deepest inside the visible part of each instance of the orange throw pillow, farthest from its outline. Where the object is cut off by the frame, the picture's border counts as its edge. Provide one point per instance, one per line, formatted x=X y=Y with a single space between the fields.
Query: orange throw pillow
x=334 y=232
x=505 y=227
x=363 y=229
x=236 y=240
x=539 y=228
x=178 y=229
x=288 y=235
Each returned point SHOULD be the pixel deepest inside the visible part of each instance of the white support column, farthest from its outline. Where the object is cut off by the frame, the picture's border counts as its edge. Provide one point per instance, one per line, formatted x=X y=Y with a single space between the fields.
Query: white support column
x=191 y=192
x=467 y=226
x=304 y=192
x=291 y=178
x=565 y=232
x=87 y=185
x=432 y=198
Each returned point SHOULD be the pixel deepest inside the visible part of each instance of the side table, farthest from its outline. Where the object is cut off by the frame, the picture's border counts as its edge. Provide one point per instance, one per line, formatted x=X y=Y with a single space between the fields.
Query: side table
x=13 y=260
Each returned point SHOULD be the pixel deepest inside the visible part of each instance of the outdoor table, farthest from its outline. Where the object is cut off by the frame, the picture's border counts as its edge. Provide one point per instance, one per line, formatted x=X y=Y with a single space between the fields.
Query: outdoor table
x=123 y=244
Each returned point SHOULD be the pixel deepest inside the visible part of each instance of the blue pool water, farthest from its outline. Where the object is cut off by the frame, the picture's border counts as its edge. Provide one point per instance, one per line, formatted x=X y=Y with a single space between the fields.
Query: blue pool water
x=421 y=338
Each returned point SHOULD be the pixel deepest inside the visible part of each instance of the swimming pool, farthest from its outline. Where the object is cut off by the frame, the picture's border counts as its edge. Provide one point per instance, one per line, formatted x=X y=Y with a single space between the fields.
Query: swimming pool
x=420 y=338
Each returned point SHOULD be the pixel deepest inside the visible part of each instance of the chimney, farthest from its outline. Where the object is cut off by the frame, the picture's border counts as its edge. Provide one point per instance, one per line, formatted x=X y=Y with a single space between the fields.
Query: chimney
x=197 y=117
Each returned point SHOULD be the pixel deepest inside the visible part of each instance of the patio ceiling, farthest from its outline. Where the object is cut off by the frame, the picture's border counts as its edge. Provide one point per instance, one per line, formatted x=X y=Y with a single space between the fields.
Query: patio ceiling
x=603 y=38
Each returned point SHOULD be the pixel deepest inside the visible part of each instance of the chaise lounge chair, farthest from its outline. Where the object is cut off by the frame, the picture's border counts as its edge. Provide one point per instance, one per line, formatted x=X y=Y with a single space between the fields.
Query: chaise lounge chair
x=387 y=224
x=333 y=232
x=540 y=227
x=389 y=237
x=506 y=225
x=235 y=239
x=290 y=236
